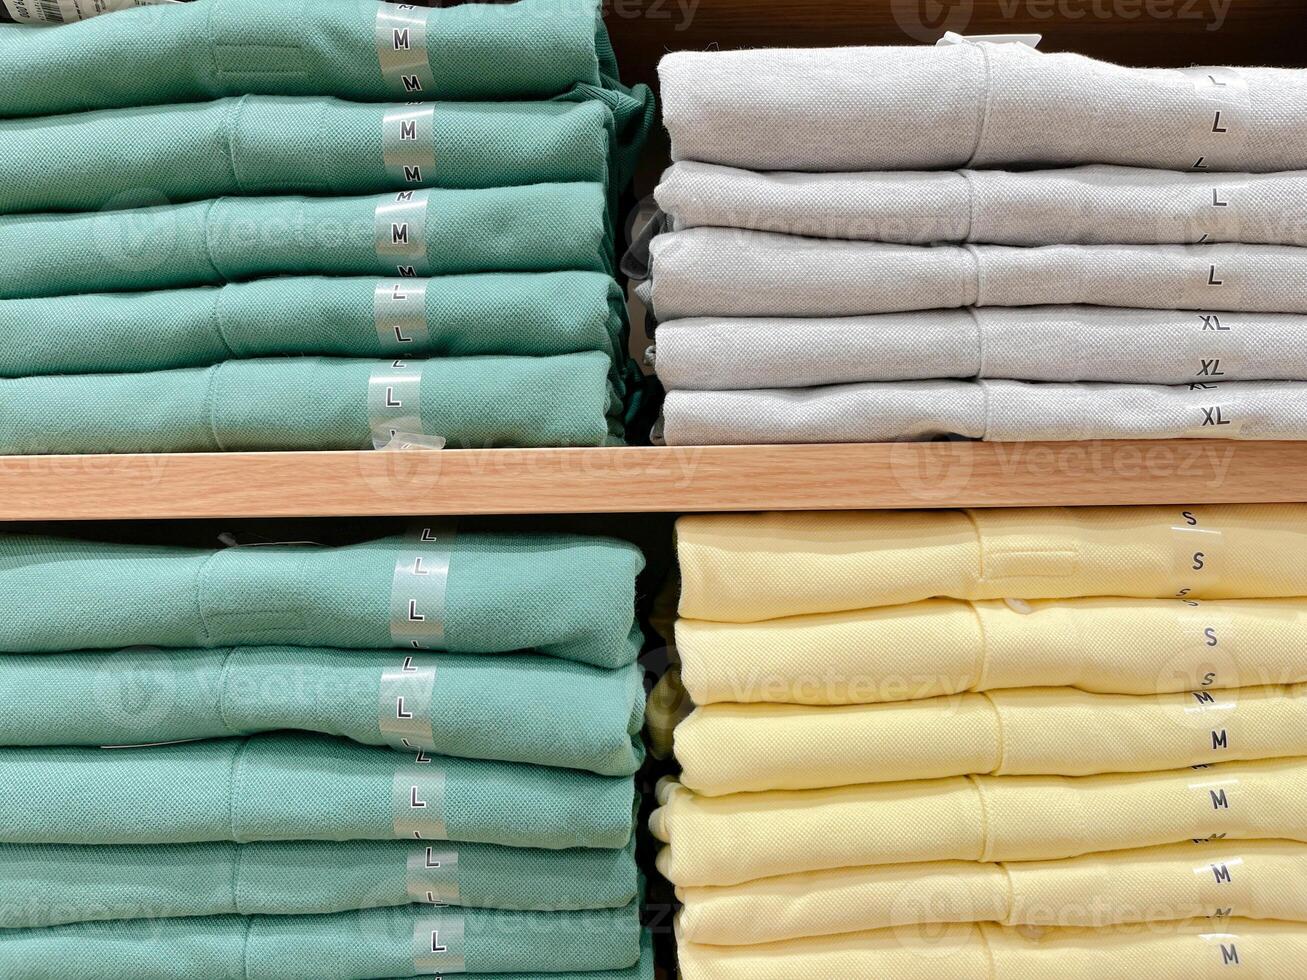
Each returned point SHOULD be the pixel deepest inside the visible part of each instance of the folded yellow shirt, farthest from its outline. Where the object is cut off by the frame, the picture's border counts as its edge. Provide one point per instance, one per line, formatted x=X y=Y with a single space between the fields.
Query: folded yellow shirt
x=725 y=840
x=1058 y=731
x=1262 y=879
x=946 y=646
x=1240 y=949
x=743 y=568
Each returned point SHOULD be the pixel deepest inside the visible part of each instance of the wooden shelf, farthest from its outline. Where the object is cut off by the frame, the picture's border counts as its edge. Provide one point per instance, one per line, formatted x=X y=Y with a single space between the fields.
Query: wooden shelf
x=721 y=478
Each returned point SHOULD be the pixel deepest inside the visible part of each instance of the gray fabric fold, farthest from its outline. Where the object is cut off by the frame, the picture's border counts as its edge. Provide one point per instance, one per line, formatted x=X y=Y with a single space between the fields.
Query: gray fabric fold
x=996 y=411
x=975 y=104
x=1093 y=205
x=733 y=272
x=1037 y=343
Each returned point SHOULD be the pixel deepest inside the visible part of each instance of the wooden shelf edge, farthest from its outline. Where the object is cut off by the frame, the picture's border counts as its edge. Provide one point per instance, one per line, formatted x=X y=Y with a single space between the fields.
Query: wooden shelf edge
x=718 y=478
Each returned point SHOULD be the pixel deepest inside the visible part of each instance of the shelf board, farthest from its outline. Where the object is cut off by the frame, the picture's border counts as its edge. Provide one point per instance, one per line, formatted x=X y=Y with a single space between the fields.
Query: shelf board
x=718 y=478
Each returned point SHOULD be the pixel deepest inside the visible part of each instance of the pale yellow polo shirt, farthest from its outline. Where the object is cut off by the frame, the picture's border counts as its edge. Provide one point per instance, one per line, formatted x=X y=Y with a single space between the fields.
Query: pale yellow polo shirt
x=1257 y=879
x=725 y=840
x=739 y=748
x=946 y=646
x=1238 y=949
x=740 y=568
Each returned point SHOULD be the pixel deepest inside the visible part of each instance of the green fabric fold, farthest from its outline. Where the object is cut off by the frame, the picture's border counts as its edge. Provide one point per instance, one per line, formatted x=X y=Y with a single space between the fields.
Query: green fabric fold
x=287 y=787
x=537 y=228
x=539 y=710
x=54 y=884
x=524 y=314
x=567 y=595
x=316 y=403
x=211 y=48
x=125 y=158
x=345 y=946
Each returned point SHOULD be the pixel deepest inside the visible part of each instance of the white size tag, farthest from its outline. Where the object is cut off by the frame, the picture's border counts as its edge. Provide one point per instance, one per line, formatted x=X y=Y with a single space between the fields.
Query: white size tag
x=952 y=37
x=53 y=12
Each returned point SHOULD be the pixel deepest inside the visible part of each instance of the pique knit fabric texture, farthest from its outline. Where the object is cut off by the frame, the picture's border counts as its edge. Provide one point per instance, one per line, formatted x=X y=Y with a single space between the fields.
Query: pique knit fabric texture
x=975 y=241
x=999 y=744
x=565 y=595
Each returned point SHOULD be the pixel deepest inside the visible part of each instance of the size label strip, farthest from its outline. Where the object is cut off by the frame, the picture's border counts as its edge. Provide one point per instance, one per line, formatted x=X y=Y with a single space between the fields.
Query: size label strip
x=1220 y=126
x=438 y=945
x=399 y=309
x=408 y=143
x=404 y=703
x=401 y=34
x=419 y=800
x=1199 y=552
x=400 y=229
x=395 y=402
x=417 y=595
x=433 y=876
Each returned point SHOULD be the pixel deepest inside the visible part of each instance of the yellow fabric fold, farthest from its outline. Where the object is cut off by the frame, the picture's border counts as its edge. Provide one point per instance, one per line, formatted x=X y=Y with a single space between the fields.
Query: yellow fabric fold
x=725 y=840
x=947 y=646
x=745 y=748
x=1236 y=948
x=1261 y=879
x=743 y=568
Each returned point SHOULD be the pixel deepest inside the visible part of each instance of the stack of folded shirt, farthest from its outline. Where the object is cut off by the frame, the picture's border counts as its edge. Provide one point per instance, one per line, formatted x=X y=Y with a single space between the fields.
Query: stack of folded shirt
x=291 y=783
x=227 y=225
x=845 y=257
x=991 y=744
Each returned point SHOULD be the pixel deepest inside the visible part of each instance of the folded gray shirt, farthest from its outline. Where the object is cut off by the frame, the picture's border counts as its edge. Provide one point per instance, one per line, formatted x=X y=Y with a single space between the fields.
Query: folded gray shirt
x=975 y=104
x=733 y=272
x=1036 y=343
x=1093 y=205
x=996 y=411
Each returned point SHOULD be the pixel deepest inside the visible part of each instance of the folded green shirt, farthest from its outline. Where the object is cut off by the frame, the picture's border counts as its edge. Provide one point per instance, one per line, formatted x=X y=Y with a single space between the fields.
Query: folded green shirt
x=53 y=884
x=568 y=595
x=317 y=403
x=435 y=232
x=541 y=710
x=291 y=787
x=123 y=158
x=353 y=49
x=527 y=314
x=356 y=945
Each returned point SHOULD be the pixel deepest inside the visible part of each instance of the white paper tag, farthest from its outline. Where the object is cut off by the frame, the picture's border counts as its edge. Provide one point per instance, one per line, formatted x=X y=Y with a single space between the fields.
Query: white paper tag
x=952 y=37
x=54 y=12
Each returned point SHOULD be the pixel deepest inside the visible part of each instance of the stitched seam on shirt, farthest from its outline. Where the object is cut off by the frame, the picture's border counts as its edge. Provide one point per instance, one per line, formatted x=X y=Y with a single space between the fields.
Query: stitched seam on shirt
x=233 y=786
x=983 y=122
x=1000 y=733
x=208 y=250
x=231 y=128
x=980 y=678
x=982 y=352
x=969 y=181
x=210 y=397
x=984 y=407
x=219 y=327
x=1011 y=889
x=977 y=277
x=245 y=947
x=199 y=599
x=237 y=855
x=986 y=848
x=222 y=690
x=989 y=951
x=980 y=544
